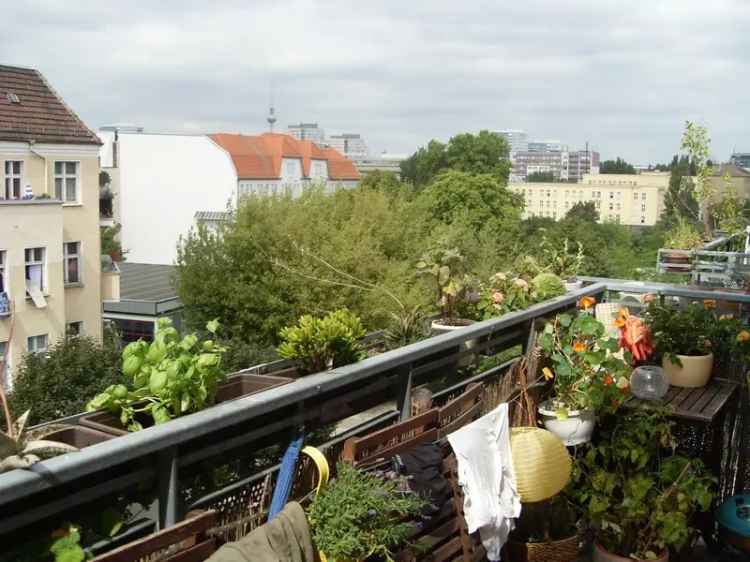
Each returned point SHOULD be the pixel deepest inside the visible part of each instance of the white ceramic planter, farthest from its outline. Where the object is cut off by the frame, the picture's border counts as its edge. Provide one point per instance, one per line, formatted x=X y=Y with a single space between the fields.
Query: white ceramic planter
x=438 y=327
x=694 y=373
x=575 y=430
x=601 y=555
x=573 y=285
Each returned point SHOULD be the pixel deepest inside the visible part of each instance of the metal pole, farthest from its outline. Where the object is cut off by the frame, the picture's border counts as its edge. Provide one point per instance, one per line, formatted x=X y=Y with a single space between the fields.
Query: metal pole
x=168 y=487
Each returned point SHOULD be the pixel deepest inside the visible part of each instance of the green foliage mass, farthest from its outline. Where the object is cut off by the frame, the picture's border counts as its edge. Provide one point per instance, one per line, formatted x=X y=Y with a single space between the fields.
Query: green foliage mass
x=169 y=377
x=636 y=491
x=60 y=382
x=618 y=166
x=324 y=343
x=358 y=516
x=547 y=286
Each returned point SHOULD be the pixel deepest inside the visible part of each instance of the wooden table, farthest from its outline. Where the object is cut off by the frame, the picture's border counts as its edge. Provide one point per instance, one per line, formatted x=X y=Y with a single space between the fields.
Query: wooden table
x=702 y=405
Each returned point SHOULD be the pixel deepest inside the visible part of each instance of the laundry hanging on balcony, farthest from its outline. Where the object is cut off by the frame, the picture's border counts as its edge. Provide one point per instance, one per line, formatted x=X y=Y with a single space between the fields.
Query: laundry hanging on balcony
x=485 y=473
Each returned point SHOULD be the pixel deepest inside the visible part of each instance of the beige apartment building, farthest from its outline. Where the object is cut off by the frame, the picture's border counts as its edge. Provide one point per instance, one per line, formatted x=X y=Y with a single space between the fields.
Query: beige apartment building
x=49 y=219
x=635 y=200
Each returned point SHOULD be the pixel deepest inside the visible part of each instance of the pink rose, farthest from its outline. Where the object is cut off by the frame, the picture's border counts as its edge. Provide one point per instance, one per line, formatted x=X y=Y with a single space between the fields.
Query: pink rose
x=498 y=297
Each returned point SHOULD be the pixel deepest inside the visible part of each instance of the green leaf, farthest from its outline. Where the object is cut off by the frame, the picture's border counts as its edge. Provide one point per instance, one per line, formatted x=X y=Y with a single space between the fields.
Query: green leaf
x=157 y=381
x=213 y=325
x=564 y=320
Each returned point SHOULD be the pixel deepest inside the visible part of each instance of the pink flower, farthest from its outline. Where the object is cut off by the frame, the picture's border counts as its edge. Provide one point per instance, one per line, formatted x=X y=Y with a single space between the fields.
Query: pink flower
x=498 y=297
x=521 y=283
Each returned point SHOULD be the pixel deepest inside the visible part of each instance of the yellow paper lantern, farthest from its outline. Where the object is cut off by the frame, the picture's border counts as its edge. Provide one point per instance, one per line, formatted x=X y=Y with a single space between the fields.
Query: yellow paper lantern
x=541 y=462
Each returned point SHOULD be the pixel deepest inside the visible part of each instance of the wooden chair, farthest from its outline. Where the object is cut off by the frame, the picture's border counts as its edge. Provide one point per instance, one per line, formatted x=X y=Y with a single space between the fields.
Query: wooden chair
x=186 y=541
x=445 y=537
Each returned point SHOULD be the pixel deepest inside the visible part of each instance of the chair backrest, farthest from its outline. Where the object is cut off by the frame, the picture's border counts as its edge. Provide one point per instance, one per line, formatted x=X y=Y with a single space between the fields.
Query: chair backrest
x=385 y=443
x=186 y=541
x=460 y=411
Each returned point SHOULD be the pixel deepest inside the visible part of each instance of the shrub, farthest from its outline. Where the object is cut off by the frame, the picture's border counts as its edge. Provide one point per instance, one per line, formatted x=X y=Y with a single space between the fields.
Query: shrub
x=61 y=381
x=320 y=344
x=547 y=286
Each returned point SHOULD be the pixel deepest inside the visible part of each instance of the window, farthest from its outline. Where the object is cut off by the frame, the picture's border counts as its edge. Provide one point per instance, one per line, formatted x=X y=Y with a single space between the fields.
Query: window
x=643 y=196
x=643 y=208
x=13 y=173
x=36 y=344
x=643 y=220
x=611 y=194
x=66 y=181
x=35 y=268
x=611 y=206
x=290 y=168
x=71 y=262
x=74 y=328
x=635 y=196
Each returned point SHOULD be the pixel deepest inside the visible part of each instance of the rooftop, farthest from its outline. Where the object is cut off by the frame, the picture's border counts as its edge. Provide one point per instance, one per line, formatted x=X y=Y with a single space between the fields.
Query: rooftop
x=32 y=111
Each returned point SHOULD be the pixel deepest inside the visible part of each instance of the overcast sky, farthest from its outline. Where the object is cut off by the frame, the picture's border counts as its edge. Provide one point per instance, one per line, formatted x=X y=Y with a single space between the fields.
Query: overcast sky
x=621 y=74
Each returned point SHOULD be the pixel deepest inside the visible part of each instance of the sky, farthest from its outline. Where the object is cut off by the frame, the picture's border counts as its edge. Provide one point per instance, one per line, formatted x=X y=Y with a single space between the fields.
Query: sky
x=623 y=75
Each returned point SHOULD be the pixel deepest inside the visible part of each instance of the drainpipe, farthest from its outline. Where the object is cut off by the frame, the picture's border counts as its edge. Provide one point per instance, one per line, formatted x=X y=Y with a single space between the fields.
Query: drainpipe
x=46 y=170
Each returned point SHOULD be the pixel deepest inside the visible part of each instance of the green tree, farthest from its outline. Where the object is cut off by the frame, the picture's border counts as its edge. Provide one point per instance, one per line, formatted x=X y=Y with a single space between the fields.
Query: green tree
x=483 y=153
x=583 y=211
x=679 y=200
x=618 y=166
x=61 y=382
x=540 y=177
x=384 y=181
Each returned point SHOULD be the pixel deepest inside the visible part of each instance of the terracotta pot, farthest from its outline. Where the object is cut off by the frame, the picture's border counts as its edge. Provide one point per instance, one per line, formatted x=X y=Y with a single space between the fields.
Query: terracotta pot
x=694 y=373
x=602 y=555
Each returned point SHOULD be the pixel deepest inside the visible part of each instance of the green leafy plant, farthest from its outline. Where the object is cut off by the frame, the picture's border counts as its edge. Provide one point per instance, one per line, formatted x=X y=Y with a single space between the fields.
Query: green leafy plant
x=358 y=515
x=66 y=547
x=684 y=236
x=504 y=293
x=20 y=448
x=548 y=520
x=585 y=371
x=562 y=260
x=636 y=492
x=453 y=286
x=547 y=286
x=691 y=331
x=171 y=376
x=407 y=326
x=320 y=344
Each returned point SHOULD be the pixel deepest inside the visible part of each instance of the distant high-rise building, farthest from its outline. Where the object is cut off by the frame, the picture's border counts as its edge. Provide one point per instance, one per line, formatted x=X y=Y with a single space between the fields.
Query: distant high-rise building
x=582 y=162
x=528 y=162
x=741 y=159
x=545 y=146
x=518 y=140
x=350 y=145
x=307 y=131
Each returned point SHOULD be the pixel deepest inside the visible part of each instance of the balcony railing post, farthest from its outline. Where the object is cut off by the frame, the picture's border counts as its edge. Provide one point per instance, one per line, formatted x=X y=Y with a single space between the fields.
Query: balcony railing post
x=168 y=494
x=403 y=391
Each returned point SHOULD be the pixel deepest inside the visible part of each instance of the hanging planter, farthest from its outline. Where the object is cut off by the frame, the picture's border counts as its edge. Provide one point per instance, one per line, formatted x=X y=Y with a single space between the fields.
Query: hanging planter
x=575 y=428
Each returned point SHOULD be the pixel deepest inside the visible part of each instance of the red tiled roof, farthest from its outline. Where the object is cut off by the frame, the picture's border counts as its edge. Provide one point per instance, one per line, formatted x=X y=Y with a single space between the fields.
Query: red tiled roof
x=259 y=157
x=41 y=114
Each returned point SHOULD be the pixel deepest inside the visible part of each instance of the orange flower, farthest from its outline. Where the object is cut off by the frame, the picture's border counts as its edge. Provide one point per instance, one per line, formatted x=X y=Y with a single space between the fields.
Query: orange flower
x=648 y=297
x=743 y=336
x=586 y=302
x=579 y=347
x=709 y=303
x=622 y=317
x=608 y=380
x=548 y=375
x=726 y=317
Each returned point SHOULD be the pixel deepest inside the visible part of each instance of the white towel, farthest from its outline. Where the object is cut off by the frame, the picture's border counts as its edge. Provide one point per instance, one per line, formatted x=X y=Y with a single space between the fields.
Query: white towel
x=485 y=473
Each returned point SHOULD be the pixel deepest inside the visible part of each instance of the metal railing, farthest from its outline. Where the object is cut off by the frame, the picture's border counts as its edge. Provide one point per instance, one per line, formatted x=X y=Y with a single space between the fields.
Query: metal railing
x=163 y=458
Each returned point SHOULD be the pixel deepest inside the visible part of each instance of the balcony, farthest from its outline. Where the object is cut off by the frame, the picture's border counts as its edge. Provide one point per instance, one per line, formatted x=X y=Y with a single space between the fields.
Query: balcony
x=177 y=467
x=723 y=262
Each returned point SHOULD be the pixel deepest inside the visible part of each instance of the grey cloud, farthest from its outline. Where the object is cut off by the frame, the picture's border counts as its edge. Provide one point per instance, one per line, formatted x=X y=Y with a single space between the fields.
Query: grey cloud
x=621 y=75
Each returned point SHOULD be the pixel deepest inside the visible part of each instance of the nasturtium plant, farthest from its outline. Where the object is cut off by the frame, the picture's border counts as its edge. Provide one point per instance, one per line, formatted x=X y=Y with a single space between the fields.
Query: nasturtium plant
x=171 y=376
x=584 y=364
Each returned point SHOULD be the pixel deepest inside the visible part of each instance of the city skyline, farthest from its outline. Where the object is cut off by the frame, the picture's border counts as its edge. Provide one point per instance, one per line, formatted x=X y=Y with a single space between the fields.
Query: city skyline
x=437 y=72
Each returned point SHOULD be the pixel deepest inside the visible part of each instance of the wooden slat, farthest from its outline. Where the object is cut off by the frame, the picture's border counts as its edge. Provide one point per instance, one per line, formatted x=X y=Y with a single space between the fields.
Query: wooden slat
x=447 y=551
x=196 y=553
x=694 y=397
x=719 y=401
x=162 y=539
x=703 y=401
x=671 y=393
x=460 y=403
x=681 y=396
x=462 y=420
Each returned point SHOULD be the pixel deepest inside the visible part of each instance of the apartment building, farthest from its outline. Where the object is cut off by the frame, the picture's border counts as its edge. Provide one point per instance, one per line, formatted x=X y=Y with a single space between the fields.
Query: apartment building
x=551 y=157
x=307 y=131
x=634 y=200
x=49 y=219
x=351 y=145
x=518 y=140
x=161 y=180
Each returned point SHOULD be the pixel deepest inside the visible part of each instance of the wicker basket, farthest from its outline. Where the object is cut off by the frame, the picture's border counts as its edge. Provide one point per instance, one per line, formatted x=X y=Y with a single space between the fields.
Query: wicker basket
x=565 y=550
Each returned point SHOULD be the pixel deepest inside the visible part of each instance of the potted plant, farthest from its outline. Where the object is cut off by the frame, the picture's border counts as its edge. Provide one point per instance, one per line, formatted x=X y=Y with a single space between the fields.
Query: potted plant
x=171 y=376
x=505 y=292
x=636 y=493
x=685 y=338
x=358 y=516
x=545 y=531
x=564 y=263
x=453 y=287
x=320 y=344
x=679 y=244
x=547 y=286
x=587 y=377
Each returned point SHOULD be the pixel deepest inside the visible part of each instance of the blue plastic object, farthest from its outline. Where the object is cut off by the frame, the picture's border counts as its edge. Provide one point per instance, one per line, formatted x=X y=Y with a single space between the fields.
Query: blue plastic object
x=286 y=478
x=734 y=515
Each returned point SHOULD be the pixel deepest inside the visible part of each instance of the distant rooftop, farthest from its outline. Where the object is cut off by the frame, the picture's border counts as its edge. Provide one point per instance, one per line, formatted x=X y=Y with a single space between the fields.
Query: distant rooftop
x=212 y=216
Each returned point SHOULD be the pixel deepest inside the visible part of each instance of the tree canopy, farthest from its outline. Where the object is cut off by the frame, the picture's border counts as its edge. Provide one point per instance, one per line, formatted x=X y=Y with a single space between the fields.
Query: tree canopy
x=617 y=166
x=583 y=211
x=540 y=177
